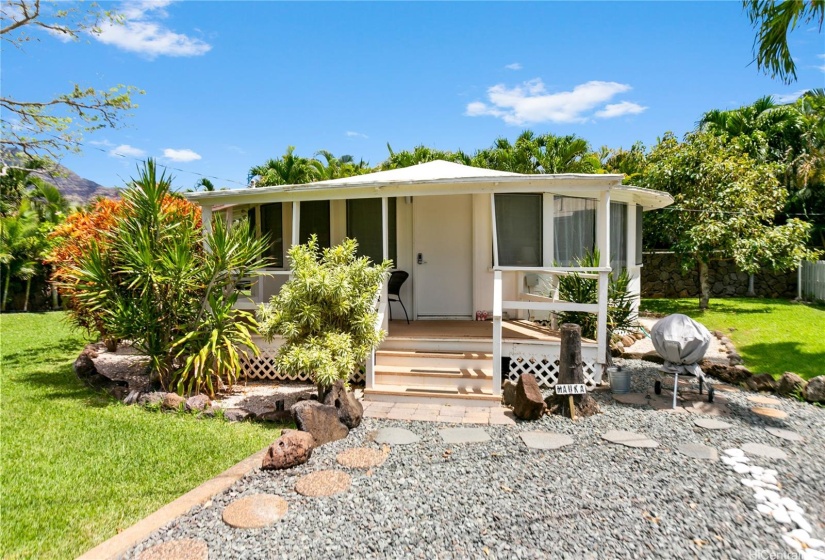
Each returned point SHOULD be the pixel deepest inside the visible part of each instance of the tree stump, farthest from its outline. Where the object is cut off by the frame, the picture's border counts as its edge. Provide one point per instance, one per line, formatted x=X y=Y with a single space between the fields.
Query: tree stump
x=570 y=373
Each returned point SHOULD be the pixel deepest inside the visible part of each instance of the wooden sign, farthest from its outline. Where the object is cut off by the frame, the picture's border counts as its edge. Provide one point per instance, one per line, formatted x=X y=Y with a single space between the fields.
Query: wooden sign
x=573 y=389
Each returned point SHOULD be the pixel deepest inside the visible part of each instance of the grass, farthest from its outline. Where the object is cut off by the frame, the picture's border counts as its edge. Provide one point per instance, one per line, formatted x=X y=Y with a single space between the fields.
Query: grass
x=78 y=466
x=773 y=336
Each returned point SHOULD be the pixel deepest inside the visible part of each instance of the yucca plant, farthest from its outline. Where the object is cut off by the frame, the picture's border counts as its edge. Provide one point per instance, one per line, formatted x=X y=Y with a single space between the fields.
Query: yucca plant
x=156 y=285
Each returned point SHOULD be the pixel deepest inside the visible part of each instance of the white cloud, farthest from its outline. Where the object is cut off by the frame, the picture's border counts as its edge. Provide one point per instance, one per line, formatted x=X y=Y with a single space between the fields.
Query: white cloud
x=531 y=103
x=353 y=134
x=142 y=32
x=513 y=66
x=236 y=149
x=125 y=150
x=784 y=98
x=619 y=109
x=183 y=156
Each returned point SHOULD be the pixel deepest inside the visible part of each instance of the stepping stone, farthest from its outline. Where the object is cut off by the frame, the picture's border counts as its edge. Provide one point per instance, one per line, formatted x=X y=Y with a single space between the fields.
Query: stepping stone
x=396 y=436
x=629 y=439
x=761 y=450
x=255 y=511
x=464 y=435
x=698 y=451
x=711 y=409
x=323 y=483
x=631 y=398
x=545 y=440
x=181 y=549
x=710 y=424
x=769 y=412
x=362 y=457
x=785 y=434
x=760 y=399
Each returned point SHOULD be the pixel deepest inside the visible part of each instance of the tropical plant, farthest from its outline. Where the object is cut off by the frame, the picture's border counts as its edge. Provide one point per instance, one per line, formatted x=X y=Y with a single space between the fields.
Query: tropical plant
x=151 y=281
x=773 y=20
x=21 y=243
x=325 y=312
x=621 y=313
x=537 y=154
x=727 y=204
x=288 y=170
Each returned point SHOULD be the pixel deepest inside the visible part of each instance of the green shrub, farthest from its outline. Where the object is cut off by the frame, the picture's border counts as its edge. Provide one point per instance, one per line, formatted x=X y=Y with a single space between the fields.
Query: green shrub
x=325 y=312
x=574 y=288
x=154 y=283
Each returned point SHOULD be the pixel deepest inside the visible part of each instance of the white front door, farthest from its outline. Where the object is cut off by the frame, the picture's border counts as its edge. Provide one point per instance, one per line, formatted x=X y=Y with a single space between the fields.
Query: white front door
x=442 y=256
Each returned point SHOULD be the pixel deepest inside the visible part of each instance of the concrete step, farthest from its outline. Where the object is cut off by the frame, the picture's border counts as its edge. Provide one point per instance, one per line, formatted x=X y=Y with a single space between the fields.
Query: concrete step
x=431 y=395
x=448 y=359
x=442 y=377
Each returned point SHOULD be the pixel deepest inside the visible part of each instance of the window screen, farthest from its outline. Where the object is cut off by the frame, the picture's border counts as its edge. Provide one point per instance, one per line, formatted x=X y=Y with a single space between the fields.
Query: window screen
x=364 y=225
x=618 y=236
x=519 y=229
x=272 y=223
x=315 y=219
x=574 y=228
x=639 y=220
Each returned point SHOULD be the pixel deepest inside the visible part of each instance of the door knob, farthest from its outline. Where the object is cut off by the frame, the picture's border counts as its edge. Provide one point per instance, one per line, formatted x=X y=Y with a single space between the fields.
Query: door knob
x=421 y=259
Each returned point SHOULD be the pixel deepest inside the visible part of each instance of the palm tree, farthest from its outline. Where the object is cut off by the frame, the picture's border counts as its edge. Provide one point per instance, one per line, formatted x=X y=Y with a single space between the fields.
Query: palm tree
x=288 y=170
x=773 y=21
x=20 y=246
x=204 y=183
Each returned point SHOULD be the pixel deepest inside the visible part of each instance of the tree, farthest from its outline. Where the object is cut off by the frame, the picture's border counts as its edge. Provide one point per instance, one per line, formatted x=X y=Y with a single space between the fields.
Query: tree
x=48 y=128
x=288 y=170
x=205 y=184
x=727 y=204
x=773 y=20
x=336 y=168
x=421 y=154
x=631 y=162
x=20 y=246
x=537 y=154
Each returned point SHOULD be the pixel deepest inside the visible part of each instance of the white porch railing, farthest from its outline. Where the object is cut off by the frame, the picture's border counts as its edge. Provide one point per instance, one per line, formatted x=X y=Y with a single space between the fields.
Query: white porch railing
x=533 y=302
x=381 y=323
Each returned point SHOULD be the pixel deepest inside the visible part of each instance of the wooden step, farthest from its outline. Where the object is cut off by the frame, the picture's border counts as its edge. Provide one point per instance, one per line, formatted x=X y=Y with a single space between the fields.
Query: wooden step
x=431 y=395
x=479 y=345
x=453 y=377
x=447 y=359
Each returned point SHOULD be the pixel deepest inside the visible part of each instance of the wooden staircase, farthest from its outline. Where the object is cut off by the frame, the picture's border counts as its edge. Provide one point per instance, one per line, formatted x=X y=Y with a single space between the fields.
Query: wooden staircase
x=433 y=375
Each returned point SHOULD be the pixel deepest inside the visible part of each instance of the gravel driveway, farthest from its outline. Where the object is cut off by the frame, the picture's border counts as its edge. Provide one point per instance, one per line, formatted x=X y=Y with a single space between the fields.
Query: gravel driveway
x=499 y=499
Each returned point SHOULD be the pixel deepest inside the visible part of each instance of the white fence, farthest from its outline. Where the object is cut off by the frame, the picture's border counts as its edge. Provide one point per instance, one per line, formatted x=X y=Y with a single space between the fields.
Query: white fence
x=812 y=280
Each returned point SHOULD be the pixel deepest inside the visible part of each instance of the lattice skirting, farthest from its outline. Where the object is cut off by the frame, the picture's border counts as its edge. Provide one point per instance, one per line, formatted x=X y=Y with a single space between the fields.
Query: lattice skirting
x=263 y=367
x=543 y=363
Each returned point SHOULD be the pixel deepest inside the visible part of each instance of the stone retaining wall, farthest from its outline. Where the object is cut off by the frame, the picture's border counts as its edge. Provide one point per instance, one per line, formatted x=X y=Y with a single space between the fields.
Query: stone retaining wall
x=663 y=276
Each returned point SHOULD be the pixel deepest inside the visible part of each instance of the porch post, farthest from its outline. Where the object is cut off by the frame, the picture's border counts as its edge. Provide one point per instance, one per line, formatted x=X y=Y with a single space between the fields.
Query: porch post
x=496 y=332
x=385 y=251
x=633 y=270
x=603 y=244
x=206 y=221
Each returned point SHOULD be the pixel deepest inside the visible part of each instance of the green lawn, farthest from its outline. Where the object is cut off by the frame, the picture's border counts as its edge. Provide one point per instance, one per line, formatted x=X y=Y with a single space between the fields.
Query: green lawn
x=772 y=335
x=77 y=466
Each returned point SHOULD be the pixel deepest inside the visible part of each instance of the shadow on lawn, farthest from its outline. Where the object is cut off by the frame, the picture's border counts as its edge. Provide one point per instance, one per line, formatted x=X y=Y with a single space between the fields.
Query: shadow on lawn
x=773 y=358
x=47 y=355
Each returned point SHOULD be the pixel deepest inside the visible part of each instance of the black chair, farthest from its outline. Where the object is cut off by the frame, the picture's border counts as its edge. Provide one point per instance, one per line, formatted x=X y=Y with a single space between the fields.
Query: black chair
x=397 y=280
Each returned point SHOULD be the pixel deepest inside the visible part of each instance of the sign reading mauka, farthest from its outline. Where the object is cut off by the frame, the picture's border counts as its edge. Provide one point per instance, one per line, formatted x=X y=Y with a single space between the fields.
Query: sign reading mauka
x=574 y=389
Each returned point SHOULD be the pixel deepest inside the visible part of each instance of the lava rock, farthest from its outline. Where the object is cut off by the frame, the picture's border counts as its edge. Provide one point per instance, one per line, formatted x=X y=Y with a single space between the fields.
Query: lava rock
x=320 y=420
x=155 y=397
x=728 y=374
x=197 y=403
x=508 y=392
x=528 y=404
x=350 y=411
x=280 y=416
x=132 y=397
x=237 y=415
x=761 y=382
x=790 y=383
x=815 y=389
x=291 y=449
x=172 y=401
x=84 y=367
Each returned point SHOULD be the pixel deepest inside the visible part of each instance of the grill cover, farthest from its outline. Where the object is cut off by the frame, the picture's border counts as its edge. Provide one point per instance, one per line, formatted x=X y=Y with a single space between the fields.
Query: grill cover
x=682 y=342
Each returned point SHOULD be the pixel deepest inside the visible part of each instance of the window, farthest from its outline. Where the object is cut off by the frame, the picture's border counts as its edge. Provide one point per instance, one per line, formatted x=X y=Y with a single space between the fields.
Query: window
x=519 y=229
x=272 y=223
x=364 y=225
x=315 y=219
x=574 y=229
x=618 y=236
x=639 y=221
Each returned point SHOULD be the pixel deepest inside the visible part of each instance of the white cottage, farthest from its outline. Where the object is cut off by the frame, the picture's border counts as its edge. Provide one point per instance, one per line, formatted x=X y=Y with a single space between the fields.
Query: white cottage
x=476 y=243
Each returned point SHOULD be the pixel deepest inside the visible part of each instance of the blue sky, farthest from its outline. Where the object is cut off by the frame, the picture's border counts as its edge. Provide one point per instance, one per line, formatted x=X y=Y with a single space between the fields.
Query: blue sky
x=230 y=84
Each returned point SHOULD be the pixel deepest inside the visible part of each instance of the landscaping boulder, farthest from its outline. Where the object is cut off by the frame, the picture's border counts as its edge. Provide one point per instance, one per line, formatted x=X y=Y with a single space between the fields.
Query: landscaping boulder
x=726 y=373
x=155 y=397
x=197 y=403
x=172 y=401
x=761 y=382
x=815 y=390
x=508 y=392
x=320 y=420
x=291 y=449
x=528 y=404
x=237 y=415
x=350 y=410
x=628 y=341
x=84 y=367
x=790 y=383
x=280 y=416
